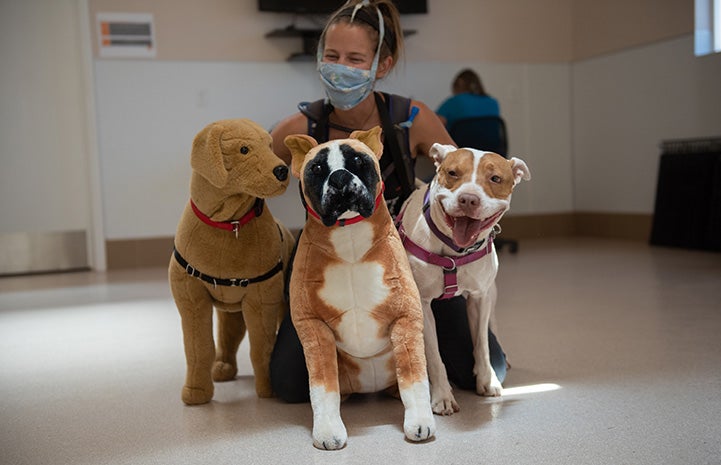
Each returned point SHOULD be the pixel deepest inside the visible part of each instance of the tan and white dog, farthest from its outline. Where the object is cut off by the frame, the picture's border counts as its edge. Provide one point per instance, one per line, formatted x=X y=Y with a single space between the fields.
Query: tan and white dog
x=353 y=300
x=447 y=230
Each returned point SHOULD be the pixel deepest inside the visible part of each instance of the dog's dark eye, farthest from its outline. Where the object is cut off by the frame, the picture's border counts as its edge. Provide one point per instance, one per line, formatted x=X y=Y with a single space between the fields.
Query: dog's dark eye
x=244 y=150
x=496 y=179
x=317 y=168
x=452 y=173
x=357 y=161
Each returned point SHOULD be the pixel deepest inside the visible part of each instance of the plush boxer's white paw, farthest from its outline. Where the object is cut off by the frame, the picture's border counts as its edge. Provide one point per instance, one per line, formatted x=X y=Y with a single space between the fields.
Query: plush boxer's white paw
x=418 y=421
x=488 y=384
x=329 y=434
x=419 y=427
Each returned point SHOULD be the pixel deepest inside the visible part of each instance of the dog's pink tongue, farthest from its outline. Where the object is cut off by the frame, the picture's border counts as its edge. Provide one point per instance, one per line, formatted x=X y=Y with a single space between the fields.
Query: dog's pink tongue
x=466 y=231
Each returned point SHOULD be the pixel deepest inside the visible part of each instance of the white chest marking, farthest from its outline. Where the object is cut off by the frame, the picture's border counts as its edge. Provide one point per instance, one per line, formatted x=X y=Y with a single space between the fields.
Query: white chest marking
x=351 y=244
x=356 y=288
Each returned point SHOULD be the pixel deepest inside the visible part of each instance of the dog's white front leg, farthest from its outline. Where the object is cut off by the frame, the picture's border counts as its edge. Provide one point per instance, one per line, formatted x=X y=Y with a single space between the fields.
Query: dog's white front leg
x=479 y=311
x=412 y=377
x=418 y=421
x=321 y=357
x=442 y=400
x=329 y=432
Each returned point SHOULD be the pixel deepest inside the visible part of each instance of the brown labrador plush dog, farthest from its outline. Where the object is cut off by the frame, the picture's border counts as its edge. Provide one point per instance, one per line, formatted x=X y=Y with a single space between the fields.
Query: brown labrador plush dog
x=231 y=254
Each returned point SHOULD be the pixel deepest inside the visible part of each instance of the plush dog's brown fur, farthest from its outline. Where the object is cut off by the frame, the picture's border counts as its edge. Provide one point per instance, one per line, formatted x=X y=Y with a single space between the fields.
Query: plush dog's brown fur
x=233 y=165
x=355 y=305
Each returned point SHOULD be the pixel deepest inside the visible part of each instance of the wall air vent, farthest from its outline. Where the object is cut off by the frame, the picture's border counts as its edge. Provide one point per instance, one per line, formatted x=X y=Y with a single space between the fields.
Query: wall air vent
x=126 y=35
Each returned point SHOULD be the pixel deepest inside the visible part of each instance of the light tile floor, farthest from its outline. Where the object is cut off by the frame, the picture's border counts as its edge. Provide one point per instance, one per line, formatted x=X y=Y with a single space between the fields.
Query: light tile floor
x=91 y=366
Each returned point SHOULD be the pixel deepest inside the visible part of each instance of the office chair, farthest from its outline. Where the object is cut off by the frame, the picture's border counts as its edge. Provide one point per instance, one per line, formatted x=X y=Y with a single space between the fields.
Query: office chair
x=484 y=133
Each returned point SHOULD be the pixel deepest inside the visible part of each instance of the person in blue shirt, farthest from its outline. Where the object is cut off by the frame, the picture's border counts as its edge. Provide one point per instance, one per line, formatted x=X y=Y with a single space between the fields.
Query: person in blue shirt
x=469 y=100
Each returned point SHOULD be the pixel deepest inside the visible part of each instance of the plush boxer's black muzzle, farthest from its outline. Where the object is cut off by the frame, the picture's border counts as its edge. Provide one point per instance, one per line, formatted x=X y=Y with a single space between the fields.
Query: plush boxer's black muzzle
x=350 y=188
x=345 y=192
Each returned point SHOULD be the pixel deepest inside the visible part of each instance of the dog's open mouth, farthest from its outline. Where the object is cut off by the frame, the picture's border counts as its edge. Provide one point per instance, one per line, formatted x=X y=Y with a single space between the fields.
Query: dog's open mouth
x=466 y=229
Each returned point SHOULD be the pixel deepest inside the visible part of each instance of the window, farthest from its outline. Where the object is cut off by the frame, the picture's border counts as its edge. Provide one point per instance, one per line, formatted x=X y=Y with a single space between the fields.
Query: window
x=708 y=27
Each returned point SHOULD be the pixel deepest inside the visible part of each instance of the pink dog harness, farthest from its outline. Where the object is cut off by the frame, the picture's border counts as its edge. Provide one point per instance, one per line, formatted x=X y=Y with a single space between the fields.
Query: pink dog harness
x=449 y=264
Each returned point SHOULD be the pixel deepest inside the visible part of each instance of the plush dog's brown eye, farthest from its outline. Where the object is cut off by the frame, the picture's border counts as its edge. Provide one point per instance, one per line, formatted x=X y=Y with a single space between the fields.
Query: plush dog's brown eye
x=495 y=178
x=452 y=173
x=244 y=150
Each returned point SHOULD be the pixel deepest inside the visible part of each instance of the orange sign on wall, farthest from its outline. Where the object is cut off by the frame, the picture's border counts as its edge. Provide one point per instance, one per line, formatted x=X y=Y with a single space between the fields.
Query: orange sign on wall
x=126 y=35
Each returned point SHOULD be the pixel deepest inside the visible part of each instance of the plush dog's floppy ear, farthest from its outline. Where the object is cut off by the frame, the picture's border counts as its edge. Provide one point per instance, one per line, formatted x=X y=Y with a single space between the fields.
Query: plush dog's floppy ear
x=299 y=146
x=207 y=158
x=438 y=152
x=371 y=138
x=520 y=170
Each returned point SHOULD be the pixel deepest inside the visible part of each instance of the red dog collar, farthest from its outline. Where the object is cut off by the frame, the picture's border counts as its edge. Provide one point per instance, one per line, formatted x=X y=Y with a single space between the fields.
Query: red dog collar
x=233 y=225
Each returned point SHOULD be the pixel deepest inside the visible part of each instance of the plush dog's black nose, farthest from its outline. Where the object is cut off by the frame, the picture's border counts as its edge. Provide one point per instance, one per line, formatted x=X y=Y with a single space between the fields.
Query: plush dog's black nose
x=281 y=172
x=340 y=179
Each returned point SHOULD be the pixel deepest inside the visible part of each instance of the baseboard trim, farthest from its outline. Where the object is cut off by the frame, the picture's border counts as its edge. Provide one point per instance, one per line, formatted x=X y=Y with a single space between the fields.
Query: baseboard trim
x=607 y=225
x=138 y=253
x=155 y=252
x=629 y=226
x=44 y=252
x=536 y=226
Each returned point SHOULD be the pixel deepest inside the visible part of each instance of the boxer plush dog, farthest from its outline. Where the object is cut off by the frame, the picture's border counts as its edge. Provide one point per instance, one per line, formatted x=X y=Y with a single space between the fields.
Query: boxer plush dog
x=353 y=300
x=230 y=253
x=447 y=230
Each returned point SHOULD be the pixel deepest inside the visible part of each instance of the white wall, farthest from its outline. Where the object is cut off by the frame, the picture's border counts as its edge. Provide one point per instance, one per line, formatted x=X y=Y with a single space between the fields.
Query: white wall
x=149 y=111
x=624 y=105
x=535 y=102
x=43 y=176
x=588 y=129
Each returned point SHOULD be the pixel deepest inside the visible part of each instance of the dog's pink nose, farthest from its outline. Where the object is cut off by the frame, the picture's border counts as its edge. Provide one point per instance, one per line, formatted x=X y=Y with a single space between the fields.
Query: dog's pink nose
x=469 y=201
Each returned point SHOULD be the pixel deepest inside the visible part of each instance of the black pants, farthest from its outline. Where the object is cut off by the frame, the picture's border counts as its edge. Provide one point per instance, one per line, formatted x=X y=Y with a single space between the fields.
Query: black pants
x=289 y=375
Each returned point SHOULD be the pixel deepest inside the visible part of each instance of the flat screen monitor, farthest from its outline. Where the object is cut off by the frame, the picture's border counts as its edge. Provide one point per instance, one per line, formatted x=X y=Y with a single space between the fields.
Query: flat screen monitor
x=329 y=6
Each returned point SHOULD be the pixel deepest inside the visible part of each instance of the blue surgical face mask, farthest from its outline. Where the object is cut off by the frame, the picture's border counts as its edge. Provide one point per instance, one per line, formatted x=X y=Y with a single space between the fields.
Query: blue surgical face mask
x=346 y=86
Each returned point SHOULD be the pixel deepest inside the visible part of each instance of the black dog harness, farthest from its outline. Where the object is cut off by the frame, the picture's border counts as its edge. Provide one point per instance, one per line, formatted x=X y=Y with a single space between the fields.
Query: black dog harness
x=240 y=282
